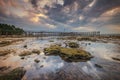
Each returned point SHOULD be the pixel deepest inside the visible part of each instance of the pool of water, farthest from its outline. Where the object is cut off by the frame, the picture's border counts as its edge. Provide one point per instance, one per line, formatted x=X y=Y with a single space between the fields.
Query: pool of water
x=101 y=67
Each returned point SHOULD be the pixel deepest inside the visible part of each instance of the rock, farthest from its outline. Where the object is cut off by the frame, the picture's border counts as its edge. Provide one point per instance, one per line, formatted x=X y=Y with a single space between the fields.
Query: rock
x=15 y=74
x=99 y=66
x=37 y=61
x=36 y=51
x=117 y=59
x=41 y=66
x=68 y=54
x=73 y=45
x=25 y=46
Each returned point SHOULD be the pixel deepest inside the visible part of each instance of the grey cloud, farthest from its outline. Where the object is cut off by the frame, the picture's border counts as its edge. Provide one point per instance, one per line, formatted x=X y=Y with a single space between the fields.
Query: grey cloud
x=34 y=3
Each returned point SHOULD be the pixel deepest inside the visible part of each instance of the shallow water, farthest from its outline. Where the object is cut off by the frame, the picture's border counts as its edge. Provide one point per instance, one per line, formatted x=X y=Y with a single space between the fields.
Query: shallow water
x=54 y=68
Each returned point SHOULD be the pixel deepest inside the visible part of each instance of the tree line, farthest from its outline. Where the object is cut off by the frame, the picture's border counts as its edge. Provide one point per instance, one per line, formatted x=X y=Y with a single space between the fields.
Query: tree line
x=6 y=29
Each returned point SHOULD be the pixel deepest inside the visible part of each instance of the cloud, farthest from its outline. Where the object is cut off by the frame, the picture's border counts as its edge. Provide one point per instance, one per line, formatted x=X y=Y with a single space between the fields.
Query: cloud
x=36 y=18
x=10 y=3
x=84 y=28
x=50 y=26
x=34 y=3
x=77 y=15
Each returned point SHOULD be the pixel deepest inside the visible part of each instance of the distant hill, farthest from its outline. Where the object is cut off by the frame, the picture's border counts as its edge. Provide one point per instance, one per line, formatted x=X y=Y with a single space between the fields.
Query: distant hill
x=6 y=29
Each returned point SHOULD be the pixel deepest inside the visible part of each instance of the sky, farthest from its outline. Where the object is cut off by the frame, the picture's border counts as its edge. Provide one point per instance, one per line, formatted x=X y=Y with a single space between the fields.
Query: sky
x=62 y=15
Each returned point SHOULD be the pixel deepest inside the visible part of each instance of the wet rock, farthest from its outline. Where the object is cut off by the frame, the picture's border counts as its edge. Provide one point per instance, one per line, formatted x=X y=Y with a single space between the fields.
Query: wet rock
x=41 y=66
x=115 y=58
x=87 y=39
x=4 y=43
x=68 y=54
x=22 y=57
x=36 y=51
x=44 y=57
x=25 y=46
x=73 y=45
x=5 y=52
x=99 y=66
x=25 y=53
x=51 y=40
x=4 y=68
x=37 y=61
x=15 y=74
x=8 y=42
x=52 y=50
x=89 y=43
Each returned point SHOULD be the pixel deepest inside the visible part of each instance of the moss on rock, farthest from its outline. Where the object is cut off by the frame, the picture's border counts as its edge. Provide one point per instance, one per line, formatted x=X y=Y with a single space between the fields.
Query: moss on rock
x=25 y=53
x=4 y=43
x=73 y=45
x=15 y=74
x=36 y=51
x=53 y=49
x=68 y=54
x=6 y=52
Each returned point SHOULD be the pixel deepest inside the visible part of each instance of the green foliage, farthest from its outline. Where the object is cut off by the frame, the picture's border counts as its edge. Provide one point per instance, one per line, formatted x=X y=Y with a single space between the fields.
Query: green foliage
x=6 y=29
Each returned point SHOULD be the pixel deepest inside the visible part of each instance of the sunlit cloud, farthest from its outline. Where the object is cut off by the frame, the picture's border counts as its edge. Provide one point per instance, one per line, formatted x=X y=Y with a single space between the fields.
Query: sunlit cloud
x=92 y=3
x=81 y=17
x=37 y=17
x=84 y=29
x=111 y=12
x=50 y=26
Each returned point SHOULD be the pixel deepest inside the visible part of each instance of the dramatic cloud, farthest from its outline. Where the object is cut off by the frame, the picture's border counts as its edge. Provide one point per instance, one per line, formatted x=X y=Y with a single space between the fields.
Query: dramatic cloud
x=72 y=15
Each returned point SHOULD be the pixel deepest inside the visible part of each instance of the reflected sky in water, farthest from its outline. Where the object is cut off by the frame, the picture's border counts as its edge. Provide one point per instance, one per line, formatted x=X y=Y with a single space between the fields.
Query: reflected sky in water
x=54 y=65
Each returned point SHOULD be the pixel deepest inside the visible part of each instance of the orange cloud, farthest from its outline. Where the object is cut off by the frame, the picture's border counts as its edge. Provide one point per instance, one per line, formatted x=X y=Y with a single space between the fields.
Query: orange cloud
x=10 y=3
x=37 y=17
x=111 y=12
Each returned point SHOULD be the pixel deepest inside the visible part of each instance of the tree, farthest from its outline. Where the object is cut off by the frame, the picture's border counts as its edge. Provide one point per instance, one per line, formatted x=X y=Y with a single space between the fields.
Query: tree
x=6 y=29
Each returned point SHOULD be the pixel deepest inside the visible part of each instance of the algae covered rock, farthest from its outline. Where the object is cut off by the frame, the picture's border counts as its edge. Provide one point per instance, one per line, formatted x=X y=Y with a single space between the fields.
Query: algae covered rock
x=6 y=52
x=25 y=53
x=73 y=45
x=68 y=54
x=4 y=43
x=36 y=51
x=54 y=49
x=15 y=74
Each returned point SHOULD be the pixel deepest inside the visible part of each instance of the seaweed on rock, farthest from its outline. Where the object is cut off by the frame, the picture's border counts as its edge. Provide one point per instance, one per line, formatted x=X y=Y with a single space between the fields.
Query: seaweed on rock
x=68 y=54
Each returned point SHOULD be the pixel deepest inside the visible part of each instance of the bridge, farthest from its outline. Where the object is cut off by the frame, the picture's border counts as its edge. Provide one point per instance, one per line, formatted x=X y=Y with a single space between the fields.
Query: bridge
x=43 y=33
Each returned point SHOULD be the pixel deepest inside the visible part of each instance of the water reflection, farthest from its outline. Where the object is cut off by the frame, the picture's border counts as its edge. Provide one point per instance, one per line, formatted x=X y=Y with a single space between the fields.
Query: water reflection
x=54 y=68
